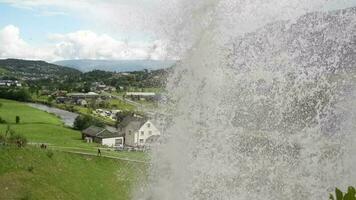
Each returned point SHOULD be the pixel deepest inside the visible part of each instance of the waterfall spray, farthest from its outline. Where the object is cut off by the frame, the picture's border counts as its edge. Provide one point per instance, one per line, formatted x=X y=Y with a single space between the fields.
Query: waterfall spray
x=261 y=105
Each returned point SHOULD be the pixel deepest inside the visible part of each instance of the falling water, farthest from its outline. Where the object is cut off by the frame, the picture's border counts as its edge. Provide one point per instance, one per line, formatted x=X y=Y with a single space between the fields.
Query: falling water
x=261 y=105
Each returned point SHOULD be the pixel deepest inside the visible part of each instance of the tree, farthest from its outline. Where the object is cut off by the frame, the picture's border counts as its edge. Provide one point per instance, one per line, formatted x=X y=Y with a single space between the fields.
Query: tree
x=84 y=121
x=2 y=121
x=17 y=119
x=121 y=115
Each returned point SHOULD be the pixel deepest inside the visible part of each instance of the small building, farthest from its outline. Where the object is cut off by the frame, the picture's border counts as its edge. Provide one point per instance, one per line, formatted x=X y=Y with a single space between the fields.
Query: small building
x=59 y=93
x=138 y=131
x=103 y=137
x=89 y=95
x=60 y=100
x=82 y=102
x=9 y=83
x=141 y=95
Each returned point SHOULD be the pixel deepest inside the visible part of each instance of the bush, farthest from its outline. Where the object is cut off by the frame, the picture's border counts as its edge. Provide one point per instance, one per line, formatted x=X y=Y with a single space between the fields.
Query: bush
x=17 y=119
x=49 y=154
x=2 y=140
x=10 y=137
x=84 y=121
x=15 y=94
x=30 y=168
x=350 y=195
x=18 y=140
x=2 y=121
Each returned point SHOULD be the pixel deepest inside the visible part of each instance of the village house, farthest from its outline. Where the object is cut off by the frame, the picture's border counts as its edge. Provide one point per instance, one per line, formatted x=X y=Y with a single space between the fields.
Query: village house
x=82 y=102
x=139 y=132
x=9 y=83
x=59 y=93
x=141 y=95
x=103 y=137
x=89 y=95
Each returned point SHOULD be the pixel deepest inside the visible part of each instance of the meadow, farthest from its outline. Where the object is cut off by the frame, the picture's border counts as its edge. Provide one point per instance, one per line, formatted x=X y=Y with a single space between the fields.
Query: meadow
x=33 y=173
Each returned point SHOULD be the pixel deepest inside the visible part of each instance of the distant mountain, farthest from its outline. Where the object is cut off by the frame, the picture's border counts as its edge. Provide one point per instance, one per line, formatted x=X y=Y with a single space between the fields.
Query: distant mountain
x=115 y=65
x=33 y=69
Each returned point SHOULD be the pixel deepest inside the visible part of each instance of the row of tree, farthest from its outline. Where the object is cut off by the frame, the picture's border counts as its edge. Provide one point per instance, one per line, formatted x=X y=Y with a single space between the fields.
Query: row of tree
x=18 y=94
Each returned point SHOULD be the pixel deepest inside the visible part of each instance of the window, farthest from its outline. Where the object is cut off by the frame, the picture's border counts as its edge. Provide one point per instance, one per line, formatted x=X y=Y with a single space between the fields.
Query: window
x=142 y=133
x=118 y=142
x=150 y=132
x=141 y=141
x=148 y=125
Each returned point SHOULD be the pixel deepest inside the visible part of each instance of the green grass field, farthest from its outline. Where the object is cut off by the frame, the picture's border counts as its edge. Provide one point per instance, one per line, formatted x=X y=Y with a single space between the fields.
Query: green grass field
x=41 y=127
x=65 y=175
x=30 y=173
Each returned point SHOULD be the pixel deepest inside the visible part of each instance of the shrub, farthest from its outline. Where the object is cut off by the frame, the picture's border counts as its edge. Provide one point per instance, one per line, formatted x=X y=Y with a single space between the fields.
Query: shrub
x=17 y=94
x=17 y=119
x=2 y=140
x=350 y=195
x=2 y=121
x=18 y=140
x=49 y=154
x=84 y=121
x=30 y=168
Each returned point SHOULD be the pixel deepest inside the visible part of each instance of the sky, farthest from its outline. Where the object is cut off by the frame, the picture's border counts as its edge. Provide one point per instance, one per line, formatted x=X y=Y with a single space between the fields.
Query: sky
x=85 y=29
x=78 y=29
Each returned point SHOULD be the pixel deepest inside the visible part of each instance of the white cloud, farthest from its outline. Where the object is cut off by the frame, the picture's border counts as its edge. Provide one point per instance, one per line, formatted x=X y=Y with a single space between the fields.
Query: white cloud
x=87 y=44
x=77 y=45
x=12 y=45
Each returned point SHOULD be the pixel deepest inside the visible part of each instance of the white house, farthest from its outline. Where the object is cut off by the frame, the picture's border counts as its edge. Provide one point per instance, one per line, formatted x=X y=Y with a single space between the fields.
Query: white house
x=138 y=131
x=103 y=137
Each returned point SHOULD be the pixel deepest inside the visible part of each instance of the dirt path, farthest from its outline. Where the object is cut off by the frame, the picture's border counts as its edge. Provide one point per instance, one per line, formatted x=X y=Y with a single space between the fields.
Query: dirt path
x=81 y=151
x=104 y=156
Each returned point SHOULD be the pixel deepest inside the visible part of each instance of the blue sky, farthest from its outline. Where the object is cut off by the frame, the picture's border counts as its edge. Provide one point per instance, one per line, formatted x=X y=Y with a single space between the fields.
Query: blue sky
x=77 y=29
x=35 y=26
x=94 y=29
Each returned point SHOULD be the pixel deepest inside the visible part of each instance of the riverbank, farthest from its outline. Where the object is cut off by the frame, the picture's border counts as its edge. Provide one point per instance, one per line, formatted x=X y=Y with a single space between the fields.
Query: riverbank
x=67 y=117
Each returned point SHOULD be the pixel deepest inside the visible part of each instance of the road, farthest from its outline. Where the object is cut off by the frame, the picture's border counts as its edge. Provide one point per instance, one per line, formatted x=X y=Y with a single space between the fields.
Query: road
x=81 y=151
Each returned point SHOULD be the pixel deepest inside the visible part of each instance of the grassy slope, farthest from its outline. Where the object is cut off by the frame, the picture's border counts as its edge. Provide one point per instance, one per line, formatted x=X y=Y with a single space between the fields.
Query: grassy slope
x=64 y=176
x=3 y=71
x=42 y=127
x=28 y=115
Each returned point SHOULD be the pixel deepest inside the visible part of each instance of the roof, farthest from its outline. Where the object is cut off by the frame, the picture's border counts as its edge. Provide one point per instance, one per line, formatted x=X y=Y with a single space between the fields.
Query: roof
x=140 y=93
x=152 y=139
x=98 y=132
x=82 y=94
x=133 y=123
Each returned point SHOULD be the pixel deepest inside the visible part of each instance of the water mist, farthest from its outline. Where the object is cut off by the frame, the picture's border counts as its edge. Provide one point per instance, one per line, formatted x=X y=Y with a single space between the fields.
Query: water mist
x=261 y=104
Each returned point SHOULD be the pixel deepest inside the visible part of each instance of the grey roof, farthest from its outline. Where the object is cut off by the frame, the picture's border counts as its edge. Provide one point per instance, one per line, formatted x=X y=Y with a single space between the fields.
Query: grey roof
x=133 y=123
x=152 y=139
x=98 y=132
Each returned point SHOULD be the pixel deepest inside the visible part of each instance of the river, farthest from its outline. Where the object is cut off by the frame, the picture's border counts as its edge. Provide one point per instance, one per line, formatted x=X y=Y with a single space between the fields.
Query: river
x=66 y=116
